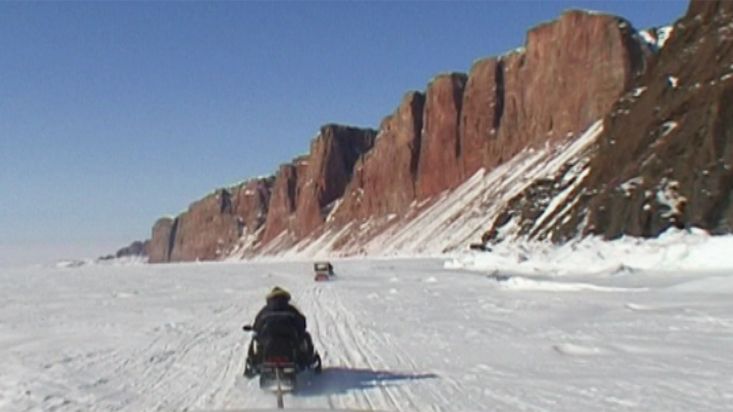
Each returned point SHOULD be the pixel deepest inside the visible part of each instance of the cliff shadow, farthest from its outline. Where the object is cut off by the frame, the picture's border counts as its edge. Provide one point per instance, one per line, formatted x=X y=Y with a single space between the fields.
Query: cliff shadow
x=340 y=380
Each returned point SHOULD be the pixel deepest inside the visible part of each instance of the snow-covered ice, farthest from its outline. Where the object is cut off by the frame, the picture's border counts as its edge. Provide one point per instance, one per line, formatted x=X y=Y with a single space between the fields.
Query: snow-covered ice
x=627 y=325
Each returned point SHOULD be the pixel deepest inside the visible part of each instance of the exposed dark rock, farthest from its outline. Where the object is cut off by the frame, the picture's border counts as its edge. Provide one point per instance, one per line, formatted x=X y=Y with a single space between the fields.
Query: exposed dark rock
x=282 y=202
x=439 y=166
x=137 y=248
x=665 y=157
x=384 y=180
x=570 y=73
x=161 y=240
x=330 y=167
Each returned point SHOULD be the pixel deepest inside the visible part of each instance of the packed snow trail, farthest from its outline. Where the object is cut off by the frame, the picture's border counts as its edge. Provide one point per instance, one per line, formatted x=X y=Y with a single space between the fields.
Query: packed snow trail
x=395 y=335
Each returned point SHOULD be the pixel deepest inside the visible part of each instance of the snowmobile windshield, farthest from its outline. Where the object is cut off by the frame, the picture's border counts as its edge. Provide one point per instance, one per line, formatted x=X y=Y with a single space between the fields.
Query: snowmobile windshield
x=321 y=266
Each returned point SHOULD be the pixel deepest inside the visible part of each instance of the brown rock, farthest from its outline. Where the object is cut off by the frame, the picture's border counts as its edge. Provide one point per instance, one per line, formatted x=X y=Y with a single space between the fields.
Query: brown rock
x=576 y=69
x=708 y=10
x=206 y=229
x=282 y=203
x=483 y=104
x=675 y=138
x=161 y=240
x=570 y=74
x=384 y=181
x=136 y=248
x=250 y=202
x=439 y=165
x=330 y=166
x=212 y=226
x=665 y=156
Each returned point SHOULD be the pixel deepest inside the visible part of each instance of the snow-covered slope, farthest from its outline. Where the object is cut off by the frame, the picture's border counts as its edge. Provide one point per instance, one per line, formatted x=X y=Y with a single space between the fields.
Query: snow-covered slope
x=395 y=334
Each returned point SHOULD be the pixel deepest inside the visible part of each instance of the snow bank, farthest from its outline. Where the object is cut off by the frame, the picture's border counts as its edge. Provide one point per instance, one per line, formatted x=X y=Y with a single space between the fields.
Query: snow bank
x=674 y=250
x=522 y=283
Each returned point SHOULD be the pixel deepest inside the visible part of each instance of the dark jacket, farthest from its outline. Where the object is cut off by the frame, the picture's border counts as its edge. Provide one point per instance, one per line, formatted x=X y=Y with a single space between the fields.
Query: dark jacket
x=278 y=308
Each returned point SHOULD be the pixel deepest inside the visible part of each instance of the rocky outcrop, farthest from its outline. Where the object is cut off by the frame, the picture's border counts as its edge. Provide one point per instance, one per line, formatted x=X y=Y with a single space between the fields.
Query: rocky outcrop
x=481 y=113
x=206 y=229
x=136 y=248
x=212 y=226
x=570 y=73
x=330 y=167
x=665 y=157
x=250 y=202
x=282 y=202
x=439 y=166
x=161 y=240
x=384 y=180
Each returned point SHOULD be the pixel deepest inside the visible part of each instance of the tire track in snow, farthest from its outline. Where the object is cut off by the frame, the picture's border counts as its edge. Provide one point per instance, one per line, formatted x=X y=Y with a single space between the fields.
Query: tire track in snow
x=313 y=294
x=174 y=357
x=369 y=353
x=351 y=355
x=329 y=341
x=360 y=348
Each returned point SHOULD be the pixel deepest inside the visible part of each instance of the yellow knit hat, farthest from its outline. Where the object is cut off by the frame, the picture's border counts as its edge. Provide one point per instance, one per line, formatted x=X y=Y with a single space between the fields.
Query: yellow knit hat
x=278 y=292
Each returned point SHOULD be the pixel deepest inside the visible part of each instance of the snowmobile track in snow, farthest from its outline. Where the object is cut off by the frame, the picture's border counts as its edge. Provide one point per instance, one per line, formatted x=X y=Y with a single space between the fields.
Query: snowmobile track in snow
x=398 y=335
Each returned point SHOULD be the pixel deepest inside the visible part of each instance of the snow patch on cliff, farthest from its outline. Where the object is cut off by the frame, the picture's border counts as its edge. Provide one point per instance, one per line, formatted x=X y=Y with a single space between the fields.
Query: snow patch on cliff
x=454 y=219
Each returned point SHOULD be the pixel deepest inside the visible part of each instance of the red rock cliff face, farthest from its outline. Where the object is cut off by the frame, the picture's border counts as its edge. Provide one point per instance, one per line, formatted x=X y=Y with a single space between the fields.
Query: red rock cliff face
x=211 y=227
x=250 y=203
x=439 y=167
x=204 y=228
x=481 y=112
x=329 y=169
x=384 y=180
x=282 y=203
x=665 y=155
x=160 y=241
x=569 y=74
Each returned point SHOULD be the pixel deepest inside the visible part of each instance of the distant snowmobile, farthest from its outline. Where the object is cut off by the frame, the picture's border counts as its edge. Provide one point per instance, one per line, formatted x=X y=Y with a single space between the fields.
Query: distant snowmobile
x=323 y=271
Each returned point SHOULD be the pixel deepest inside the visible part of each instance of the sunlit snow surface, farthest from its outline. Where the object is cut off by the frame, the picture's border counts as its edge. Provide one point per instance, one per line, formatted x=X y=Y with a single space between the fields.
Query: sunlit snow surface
x=631 y=326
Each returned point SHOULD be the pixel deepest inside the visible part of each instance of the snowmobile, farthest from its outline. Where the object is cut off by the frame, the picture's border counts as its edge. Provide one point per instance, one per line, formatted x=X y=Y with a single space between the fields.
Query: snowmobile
x=278 y=357
x=323 y=271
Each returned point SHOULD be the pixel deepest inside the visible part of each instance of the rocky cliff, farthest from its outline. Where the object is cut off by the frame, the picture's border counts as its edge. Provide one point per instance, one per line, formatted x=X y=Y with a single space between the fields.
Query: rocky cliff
x=360 y=184
x=384 y=179
x=329 y=170
x=569 y=74
x=665 y=154
x=214 y=226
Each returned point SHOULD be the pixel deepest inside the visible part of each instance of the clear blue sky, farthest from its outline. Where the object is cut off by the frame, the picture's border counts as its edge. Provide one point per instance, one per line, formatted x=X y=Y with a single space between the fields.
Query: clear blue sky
x=113 y=114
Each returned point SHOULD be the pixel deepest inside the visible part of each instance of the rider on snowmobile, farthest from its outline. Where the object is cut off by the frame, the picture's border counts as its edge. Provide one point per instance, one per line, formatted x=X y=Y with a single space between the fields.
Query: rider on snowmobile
x=278 y=303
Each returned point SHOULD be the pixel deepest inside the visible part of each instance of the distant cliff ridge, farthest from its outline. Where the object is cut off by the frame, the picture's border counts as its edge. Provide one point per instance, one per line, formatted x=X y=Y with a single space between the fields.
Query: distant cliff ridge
x=436 y=174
